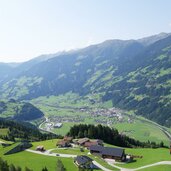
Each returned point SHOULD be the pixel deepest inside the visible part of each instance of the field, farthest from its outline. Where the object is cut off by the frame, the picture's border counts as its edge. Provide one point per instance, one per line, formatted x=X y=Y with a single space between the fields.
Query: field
x=4 y=131
x=71 y=109
x=37 y=162
x=149 y=156
x=158 y=168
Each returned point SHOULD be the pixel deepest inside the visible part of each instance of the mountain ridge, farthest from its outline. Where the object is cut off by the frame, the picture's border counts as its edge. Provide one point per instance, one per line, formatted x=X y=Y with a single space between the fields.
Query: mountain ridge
x=119 y=70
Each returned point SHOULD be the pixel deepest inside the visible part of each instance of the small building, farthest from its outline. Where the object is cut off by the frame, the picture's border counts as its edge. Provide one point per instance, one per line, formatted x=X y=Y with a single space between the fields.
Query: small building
x=82 y=141
x=114 y=153
x=92 y=143
x=108 y=152
x=68 y=139
x=63 y=144
x=40 y=148
x=58 y=125
x=84 y=162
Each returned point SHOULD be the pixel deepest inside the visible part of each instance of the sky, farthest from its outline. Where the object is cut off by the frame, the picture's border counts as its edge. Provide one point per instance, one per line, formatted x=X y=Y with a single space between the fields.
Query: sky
x=29 y=28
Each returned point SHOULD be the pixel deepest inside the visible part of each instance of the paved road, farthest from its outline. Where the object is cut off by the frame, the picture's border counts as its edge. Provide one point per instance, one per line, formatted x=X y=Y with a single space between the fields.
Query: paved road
x=100 y=166
x=143 y=167
x=48 y=153
x=155 y=164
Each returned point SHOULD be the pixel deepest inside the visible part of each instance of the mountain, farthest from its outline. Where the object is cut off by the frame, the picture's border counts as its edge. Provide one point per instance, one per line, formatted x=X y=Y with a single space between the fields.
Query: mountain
x=134 y=74
x=20 y=111
x=152 y=39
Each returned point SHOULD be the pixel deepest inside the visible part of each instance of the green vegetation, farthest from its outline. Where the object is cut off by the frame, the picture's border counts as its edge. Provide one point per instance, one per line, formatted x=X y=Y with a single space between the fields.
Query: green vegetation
x=74 y=151
x=108 y=135
x=67 y=105
x=48 y=144
x=158 y=168
x=21 y=111
x=36 y=161
x=18 y=131
x=4 y=132
x=143 y=131
x=149 y=156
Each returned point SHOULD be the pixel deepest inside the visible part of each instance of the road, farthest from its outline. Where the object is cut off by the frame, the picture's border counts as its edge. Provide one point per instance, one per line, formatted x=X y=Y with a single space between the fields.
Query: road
x=143 y=167
x=49 y=153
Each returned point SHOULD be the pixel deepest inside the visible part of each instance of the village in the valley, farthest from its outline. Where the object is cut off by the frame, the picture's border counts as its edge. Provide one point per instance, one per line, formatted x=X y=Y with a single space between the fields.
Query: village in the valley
x=100 y=116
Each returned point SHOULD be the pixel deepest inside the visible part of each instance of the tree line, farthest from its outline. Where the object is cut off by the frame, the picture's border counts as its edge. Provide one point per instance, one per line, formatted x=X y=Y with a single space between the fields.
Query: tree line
x=108 y=135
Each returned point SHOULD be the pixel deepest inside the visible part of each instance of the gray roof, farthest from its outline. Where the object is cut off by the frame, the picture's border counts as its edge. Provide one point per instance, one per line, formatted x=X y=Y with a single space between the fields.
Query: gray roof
x=82 y=160
x=96 y=148
x=111 y=151
x=118 y=152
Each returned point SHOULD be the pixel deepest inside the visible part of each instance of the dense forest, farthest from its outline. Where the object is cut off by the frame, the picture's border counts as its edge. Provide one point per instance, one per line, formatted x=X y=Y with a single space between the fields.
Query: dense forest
x=108 y=135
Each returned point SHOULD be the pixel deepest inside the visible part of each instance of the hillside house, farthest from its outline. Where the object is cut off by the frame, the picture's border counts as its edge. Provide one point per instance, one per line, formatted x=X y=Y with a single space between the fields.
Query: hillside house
x=86 y=142
x=65 y=142
x=108 y=152
x=84 y=162
x=92 y=143
x=82 y=141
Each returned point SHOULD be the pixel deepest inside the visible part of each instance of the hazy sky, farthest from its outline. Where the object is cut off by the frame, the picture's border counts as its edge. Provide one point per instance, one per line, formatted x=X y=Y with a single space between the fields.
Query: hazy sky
x=29 y=28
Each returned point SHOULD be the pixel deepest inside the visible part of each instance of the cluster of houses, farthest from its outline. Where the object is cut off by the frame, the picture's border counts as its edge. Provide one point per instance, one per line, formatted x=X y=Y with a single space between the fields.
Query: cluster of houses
x=83 y=142
x=95 y=147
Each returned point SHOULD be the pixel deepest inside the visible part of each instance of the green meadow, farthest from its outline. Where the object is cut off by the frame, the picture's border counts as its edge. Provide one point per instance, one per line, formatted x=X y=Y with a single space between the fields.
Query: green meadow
x=4 y=131
x=149 y=156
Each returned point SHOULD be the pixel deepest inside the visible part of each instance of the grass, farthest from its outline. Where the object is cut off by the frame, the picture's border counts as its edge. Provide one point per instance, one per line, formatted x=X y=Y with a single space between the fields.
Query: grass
x=67 y=106
x=143 y=131
x=75 y=151
x=48 y=144
x=103 y=163
x=4 y=131
x=158 y=168
x=37 y=162
x=149 y=156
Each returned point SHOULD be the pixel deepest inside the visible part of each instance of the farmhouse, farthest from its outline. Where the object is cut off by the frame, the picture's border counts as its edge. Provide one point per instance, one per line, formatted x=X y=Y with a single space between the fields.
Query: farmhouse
x=82 y=141
x=86 y=142
x=84 y=162
x=65 y=142
x=108 y=152
x=92 y=143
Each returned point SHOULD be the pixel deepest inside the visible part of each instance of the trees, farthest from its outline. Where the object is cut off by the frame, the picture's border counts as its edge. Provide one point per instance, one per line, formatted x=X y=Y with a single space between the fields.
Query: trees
x=44 y=169
x=60 y=166
x=108 y=135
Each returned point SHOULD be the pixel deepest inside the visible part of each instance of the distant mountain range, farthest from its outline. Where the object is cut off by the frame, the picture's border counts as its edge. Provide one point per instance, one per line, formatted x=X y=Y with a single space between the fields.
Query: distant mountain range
x=134 y=74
